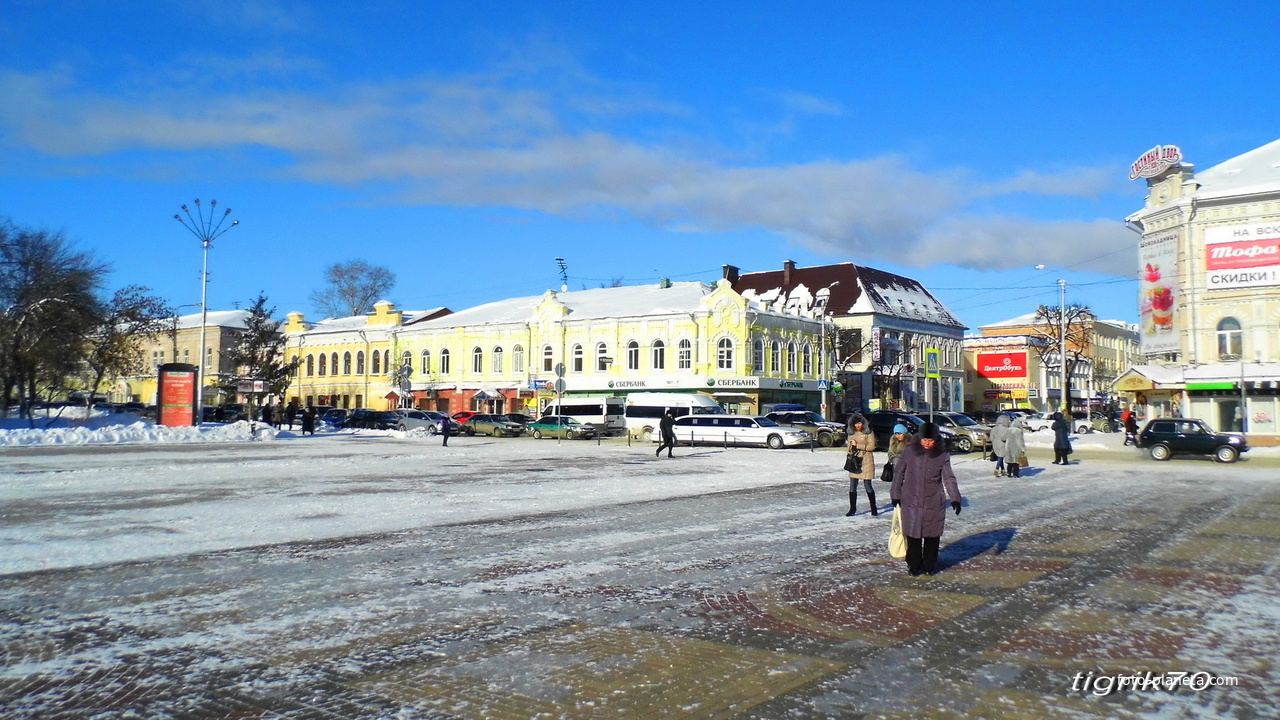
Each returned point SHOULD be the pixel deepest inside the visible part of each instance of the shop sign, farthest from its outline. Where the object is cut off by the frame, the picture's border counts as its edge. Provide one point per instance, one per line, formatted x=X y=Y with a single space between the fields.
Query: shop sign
x=1238 y=256
x=1002 y=365
x=1158 y=292
x=1155 y=161
x=1134 y=383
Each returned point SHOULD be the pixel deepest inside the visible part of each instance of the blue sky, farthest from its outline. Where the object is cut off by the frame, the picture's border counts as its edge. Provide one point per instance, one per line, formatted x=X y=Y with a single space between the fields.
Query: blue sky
x=467 y=145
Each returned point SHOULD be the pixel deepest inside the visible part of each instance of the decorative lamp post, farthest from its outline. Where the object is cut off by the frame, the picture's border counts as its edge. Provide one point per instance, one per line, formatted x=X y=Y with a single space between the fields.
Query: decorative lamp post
x=206 y=231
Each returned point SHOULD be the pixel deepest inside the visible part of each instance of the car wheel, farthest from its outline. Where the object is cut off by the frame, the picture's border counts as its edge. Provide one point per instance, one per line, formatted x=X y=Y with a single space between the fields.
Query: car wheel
x=432 y=429
x=774 y=442
x=537 y=434
x=1083 y=429
x=568 y=434
x=1225 y=454
x=964 y=444
x=646 y=435
x=1160 y=451
x=826 y=439
x=401 y=427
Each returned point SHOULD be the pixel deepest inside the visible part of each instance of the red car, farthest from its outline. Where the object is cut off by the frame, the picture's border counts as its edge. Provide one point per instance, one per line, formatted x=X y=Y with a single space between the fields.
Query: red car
x=462 y=422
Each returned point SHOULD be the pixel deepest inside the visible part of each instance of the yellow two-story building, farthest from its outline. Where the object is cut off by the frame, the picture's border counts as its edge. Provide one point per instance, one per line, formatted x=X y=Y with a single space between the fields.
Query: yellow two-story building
x=506 y=356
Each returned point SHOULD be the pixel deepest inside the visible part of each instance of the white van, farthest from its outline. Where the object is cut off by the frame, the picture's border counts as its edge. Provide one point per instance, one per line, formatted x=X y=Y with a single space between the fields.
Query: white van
x=605 y=414
x=645 y=409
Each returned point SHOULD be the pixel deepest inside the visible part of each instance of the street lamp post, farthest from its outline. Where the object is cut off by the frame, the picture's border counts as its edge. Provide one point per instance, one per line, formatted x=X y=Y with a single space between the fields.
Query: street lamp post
x=206 y=231
x=1062 y=341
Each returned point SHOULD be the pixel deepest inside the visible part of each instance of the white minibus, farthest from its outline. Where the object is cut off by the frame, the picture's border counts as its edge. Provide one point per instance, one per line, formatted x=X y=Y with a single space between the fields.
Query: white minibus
x=645 y=409
x=605 y=414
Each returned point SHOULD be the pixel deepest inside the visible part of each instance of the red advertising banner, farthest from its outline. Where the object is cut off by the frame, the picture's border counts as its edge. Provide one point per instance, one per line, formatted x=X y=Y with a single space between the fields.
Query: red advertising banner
x=1244 y=254
x=177 y=394
x=1002 y=365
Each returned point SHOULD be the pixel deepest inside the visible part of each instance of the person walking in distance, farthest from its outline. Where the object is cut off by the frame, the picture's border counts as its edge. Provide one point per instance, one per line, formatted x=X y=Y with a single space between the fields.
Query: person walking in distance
x=1130 y=428
x=998 y=435
x=309 y=420
x=667 y=431
x=862 y=443
x=1015 y=447
x=923 y=483
x=446 y=424
x=1061 y=439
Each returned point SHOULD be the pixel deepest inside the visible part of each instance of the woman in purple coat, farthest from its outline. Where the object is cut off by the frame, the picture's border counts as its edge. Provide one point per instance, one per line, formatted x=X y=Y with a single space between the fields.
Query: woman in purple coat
x=922 y=484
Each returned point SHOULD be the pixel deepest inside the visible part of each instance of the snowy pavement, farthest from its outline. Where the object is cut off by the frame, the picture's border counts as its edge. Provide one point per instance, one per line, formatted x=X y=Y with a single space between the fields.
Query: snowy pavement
x=380 y=575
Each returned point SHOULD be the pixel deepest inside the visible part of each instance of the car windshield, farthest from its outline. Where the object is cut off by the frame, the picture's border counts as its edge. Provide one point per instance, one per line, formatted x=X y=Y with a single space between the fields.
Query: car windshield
x=569 y=421
x=814 y=417
x=765 y=422
x=962 y=420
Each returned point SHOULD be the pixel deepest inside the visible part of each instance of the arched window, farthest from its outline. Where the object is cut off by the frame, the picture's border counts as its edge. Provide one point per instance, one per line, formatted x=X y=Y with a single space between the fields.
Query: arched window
x=791 y=358
x=324 y=364
x=346 y=363
x=775 y=357
x=426 y=363
x=406 y=360
x=444 y=361
x=311 y=366
x=548 y=359
x=633 y=355
x=477 y=360
x=724 y=354
x=602 y=357
x=808 y=359
x=333 y=364
x=360 y=362
x=577 y=358
x=377 y=362
x=684 y=355
x=208 y=358
x=497 y=360
x=1230 y=339
x=658 y=356
x=757 y=354
x=517 y=359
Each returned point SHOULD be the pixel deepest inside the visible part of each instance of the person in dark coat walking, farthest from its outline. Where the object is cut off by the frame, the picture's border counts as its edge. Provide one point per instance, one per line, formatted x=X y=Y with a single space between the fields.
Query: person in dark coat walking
x=667 y=429
x=309 y=421
x=446 y=425
x=923 y=482
x=862 y=443
x=1130 y=428
x=1061 y=439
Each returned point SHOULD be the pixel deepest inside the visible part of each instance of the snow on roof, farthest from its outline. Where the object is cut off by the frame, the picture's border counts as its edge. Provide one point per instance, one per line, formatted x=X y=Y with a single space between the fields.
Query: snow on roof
x=1020 y=321
x=632 y=300
x=356 y=322
x=216 y=318
x=847 y=289
x=1255 y=171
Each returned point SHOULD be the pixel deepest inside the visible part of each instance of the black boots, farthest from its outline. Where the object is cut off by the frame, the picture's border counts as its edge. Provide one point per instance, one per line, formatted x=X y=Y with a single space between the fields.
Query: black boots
x=875 y=509
x=853 y=505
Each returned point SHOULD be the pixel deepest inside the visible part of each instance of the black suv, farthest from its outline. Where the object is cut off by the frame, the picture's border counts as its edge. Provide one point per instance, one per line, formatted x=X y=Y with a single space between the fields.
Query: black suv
x=827 y=433
x=882 y=422
x=1166 y=436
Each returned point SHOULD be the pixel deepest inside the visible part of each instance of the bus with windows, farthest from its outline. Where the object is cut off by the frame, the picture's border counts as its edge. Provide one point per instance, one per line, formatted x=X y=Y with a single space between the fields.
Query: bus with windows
x=645 y=409
x=605 y=414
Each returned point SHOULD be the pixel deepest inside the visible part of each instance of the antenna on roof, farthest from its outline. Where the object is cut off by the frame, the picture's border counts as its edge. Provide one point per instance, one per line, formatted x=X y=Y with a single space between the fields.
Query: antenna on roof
x=564 y=274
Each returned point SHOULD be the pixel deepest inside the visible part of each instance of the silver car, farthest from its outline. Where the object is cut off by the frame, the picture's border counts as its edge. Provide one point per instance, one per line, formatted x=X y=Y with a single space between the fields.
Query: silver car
x=736 y=430
x=969 y=433
x=428 y=420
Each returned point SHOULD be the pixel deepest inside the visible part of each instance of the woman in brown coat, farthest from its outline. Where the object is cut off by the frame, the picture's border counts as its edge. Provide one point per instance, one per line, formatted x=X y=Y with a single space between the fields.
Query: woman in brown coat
x=922 y=484
x=862 y=442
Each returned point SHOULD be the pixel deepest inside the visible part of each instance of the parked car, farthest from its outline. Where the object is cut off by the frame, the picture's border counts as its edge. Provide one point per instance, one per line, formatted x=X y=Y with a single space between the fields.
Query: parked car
x=1164 y=437
x=826 y=432
x=463 y=416
x=882 y=422
x=736 y=430
x=495 y=425
x=334 y=416
x=371 y=419
x=559 y=426
x=969 y=433
x=428 y=420
x=1083 y=422
x=520 y=418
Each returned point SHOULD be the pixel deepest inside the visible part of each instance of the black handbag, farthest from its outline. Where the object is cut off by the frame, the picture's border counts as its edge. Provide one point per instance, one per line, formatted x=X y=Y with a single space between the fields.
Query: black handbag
x=886 y=475
x=853 y=463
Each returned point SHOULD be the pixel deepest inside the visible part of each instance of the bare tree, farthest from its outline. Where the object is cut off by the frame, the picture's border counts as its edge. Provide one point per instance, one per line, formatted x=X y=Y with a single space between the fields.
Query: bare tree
x=1050 y=322
x=48 y=299
x=124 y=323
x=352 y=287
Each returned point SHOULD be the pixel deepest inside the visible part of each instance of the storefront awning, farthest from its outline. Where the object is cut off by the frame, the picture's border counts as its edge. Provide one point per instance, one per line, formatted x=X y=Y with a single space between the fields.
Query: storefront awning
x=730 y=395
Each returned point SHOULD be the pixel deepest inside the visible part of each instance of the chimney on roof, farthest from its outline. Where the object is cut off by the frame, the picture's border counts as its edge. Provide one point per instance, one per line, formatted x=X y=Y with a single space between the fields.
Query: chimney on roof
x=730 y=274
x=788 y=267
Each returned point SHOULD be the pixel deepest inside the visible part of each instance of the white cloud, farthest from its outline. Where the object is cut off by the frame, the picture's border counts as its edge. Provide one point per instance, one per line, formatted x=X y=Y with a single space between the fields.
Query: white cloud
x=489 y=140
